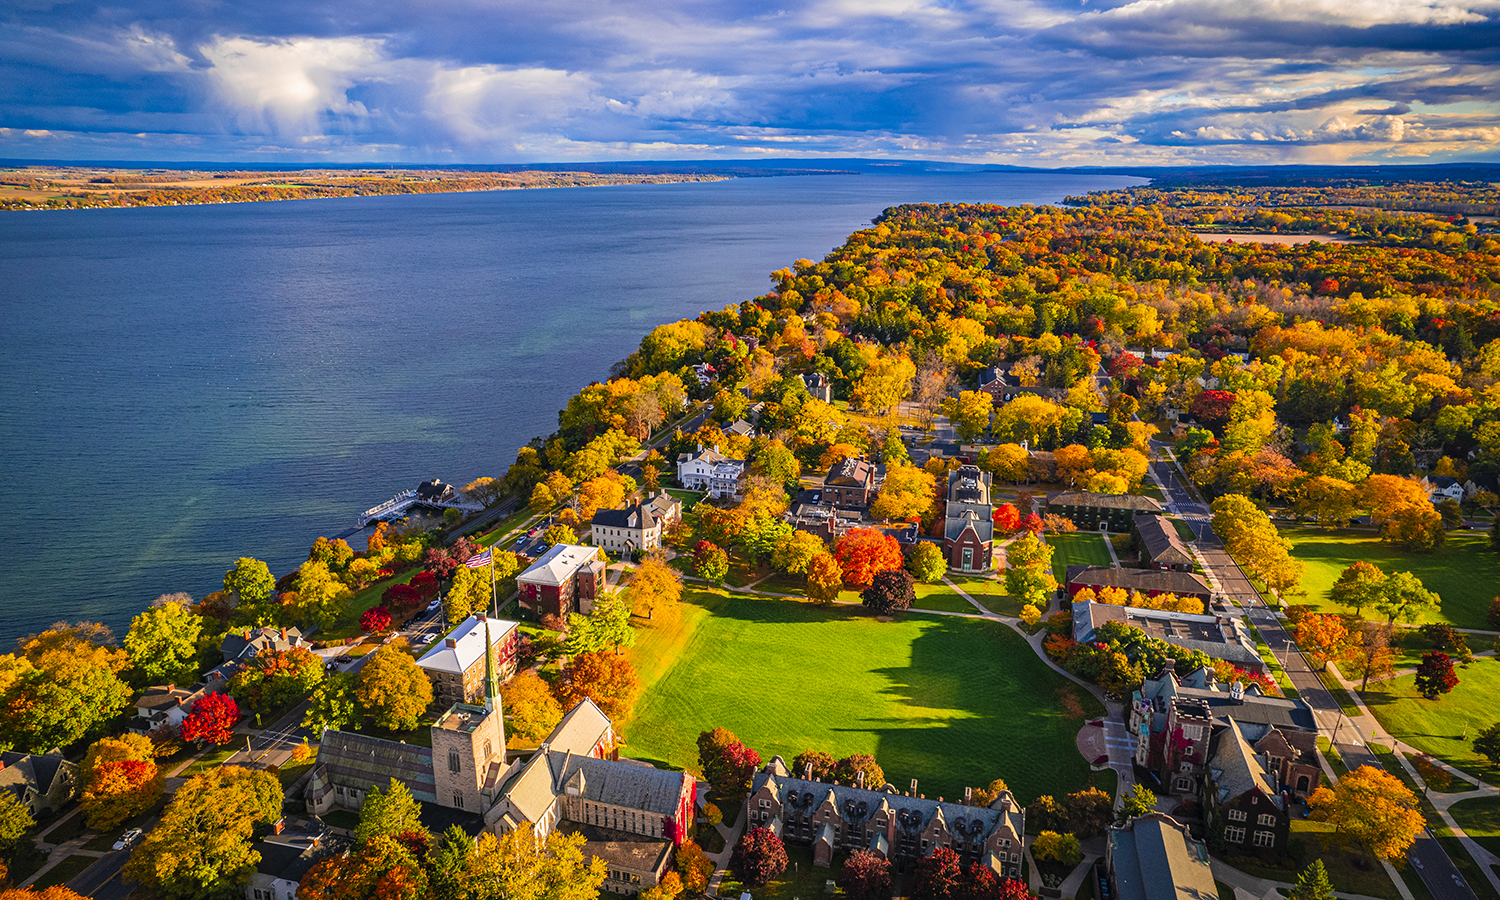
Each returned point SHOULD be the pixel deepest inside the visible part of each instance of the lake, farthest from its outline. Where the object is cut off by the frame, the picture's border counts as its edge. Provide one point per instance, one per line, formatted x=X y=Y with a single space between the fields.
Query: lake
x=182 y=386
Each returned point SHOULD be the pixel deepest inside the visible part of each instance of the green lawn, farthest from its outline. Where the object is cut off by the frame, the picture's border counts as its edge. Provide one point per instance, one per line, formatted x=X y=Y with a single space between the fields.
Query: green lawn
x=951 y=702
x=1341 y=857
x=941 y=597
x=1464 y=572
x=1080 y=548
x=1480 y=820
x=1445 y=727
x=990 y=592
x=62 y=873
x=689 y=498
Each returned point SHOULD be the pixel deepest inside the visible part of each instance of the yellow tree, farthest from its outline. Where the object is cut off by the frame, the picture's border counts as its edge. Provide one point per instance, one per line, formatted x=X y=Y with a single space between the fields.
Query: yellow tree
x=655 y=587
x=969 y=412
x=1373 y=807
x=1007 y=462
x=906 y=494
x=886 y=382
x=1327 y=500
x=531 y=707
x=1382 y=495
x=825 y=578
x=1074 y=463
x=521 y=866
x=392 y=691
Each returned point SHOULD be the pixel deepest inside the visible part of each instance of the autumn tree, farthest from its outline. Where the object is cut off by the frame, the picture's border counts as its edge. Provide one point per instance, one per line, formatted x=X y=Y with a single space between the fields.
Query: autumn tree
x=321 y=597
x=655 y=587
x=381 y=868
x=389 y=813
x=926 y=562
x=937 y=875
x=825 y=578
x=1251 y=539
x=1369 y=655
x=469 y=592
x=1323 y=638
x=862 y=552
x=119 y=788
x=710 y=562
x=758 y=857
x=333 y=705
x=532 y=708
x=1090 y=812
x=1006 y=462
x=726 y=762
x=521 y=865
x=1007 y=519
x=859 y=768
x=890 y=592
x=865 y=876
x=1416 y=527
x=560 y=534
x=1359 y=586
x=822 y=765
x=989 y=793
x=202 y=845
x=694 y=866
x=163 y=644
x=608 y=680
x=60 y=686
x=906 y=494
x=211 y=720
x=1028 y=571
x=1435 y=675
x=969 y=413
x=1374 y=808
x=1403 y=596
x=796 y=552
x=1382 y=495
x=250 y=584
x=392 y=691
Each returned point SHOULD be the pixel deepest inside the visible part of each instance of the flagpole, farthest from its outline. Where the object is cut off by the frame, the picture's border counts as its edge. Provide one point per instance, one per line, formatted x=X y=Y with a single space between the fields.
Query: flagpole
x=494 y=611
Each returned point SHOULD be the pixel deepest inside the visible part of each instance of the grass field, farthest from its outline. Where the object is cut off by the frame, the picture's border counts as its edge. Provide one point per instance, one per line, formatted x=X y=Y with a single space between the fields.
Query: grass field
x=1341 y=857
x=1480 y=820
x=1445 y=727
x=1080 y=548
x=1464 y=572
x=951 y=702
x=62 y=873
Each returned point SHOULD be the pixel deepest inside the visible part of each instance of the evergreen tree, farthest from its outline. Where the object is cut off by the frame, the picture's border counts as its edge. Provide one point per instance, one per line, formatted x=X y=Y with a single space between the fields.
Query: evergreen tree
x=1312 y=884
x=391 y=813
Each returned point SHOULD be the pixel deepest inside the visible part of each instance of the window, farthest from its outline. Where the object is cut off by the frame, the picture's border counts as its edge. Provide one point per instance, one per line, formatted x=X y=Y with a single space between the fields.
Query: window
x=1265 y=819
x=453 y=764
x=488 y=750
x=1237 y=815
x=1234 y=834
x=968 y=559
x=458 y=800
x=1265 y=838
x=765 y=804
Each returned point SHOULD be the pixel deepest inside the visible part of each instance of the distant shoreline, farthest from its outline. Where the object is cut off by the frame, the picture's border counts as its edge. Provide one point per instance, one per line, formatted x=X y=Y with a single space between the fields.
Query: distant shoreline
x=77 y=187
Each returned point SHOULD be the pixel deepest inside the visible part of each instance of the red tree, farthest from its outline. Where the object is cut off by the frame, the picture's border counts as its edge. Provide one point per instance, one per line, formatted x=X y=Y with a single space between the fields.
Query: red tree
x=1212 y=408
x=1435 y=675
x=891 y=591
x=402 y=599
x=866 y=876
x=426 y=585
x=862 y=552
x=375 y=619
x=726 y=762
x=211 y=720
x=758 y=857
x=440 y=561
x=1033 y=523
x=938 y=875
x=1007 y=519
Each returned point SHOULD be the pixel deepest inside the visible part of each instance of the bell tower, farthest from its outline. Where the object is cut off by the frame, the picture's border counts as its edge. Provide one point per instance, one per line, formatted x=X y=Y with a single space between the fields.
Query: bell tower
x=467 y=741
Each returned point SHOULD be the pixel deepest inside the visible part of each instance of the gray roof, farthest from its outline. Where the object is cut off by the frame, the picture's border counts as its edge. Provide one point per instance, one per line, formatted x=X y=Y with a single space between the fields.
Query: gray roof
x=619 y=783
x=1144 y=580
x=1162 y=542
x=969 y=484
x=1214 y=636
x=852 y=472
x=1154 y=859
x=620 y=518
x=1104 y=501
x=36 y=769
x=1236 y=768
x=356 y=760
x=953 y=527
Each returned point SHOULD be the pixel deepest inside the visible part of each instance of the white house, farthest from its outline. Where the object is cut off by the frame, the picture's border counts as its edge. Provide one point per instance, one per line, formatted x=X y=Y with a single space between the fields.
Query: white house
x=165 y=706
x=626 y=530
x=711 y=471
x=1442 y=487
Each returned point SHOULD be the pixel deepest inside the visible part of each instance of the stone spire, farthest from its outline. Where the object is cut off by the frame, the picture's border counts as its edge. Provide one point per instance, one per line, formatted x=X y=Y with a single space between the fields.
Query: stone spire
x=491 y=686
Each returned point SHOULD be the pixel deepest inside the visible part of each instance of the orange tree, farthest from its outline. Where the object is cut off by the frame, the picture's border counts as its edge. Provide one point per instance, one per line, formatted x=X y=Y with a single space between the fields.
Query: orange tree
x=862 y=552
x=608 y=680
x=1373 y=807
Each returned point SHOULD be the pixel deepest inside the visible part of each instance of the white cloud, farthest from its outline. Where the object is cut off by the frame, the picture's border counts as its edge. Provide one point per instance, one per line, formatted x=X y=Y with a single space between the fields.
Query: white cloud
x=484 y=105
x=286 y=87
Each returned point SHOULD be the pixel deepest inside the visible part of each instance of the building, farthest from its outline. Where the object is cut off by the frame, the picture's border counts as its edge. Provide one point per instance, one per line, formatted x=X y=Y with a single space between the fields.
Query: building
x=629 y=530
x=712 y=472
x=1217 y=637
x=1105 y=512
x=247 y=643
x=165 y=706
x=741 y=428
x=1242 y=796
x=565 y=579
x=1005 y=388
x=1160 y=545
x=1443 y=487
x=43 y=782
x=285 y=858
x=455 y=665
x=851 y=483
x=634 y=863
x=435 y=491
x=969 y=526
x=819 y=386
x=666 y=508
x=1172 y=722
x=1151 y=582
x=1153 y=857
x=810 y=514
x=833 y=817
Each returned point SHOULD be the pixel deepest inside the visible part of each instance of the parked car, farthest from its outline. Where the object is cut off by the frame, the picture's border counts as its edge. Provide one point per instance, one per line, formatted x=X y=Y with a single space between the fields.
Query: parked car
x=128 y=839
x=434 y=604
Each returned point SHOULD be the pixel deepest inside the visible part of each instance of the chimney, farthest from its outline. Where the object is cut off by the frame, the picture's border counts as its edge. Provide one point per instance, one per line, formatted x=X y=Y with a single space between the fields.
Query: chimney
x=914 y=787
x=450 y=643
x=171 y=688
x=807 y=772
x=859 y=779
x=283 y=632
x=968 y=796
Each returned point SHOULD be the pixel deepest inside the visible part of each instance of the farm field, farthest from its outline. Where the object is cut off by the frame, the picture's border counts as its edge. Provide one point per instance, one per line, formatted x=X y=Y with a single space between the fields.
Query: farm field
x=950 y=702
x=1444 y=727
x=1464 y=572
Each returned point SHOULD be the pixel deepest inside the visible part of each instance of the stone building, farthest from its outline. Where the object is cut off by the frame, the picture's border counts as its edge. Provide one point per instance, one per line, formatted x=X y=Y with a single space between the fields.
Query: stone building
x=455 y=665
x=969 y=526
x=1153 y=857
x=1104 y=512
x=632 y=529
x=43 y=782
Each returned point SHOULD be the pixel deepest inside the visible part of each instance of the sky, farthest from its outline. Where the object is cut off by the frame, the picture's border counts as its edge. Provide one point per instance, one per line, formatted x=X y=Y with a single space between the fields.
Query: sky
x=1025 y=82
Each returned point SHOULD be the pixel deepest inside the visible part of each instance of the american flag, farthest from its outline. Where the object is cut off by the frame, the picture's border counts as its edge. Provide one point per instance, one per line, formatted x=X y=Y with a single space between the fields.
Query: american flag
x=479 y=560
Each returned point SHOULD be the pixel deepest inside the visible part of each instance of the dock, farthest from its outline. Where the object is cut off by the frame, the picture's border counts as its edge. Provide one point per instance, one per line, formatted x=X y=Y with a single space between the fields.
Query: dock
x=399 y=505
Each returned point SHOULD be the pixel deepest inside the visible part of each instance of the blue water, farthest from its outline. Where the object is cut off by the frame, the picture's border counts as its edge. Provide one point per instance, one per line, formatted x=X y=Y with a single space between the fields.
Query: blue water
x=186 y=385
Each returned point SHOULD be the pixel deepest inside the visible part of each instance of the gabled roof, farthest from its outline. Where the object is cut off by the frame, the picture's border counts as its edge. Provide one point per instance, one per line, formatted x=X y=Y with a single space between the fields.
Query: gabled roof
x=557 y=565
x=622 y=518
x=1144 y=580
x=851 y=471
x=1236 y=768
x=954 y=526
x=1155 y=859
x=1104 y=501
x=364 y=762
x=468 y=645
x=1162 y=542
x=581 y=729
x=608 y=781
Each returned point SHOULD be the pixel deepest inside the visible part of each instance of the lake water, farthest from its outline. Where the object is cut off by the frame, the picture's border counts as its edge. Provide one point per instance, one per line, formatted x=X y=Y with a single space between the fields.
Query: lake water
x=183 y=386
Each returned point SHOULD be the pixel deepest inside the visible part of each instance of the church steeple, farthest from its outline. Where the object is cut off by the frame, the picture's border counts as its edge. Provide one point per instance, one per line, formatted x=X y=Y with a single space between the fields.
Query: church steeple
x=491 y=685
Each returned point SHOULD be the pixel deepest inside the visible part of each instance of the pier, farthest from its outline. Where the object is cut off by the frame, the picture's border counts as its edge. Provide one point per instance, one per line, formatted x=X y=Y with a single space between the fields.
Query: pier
x=399 y=505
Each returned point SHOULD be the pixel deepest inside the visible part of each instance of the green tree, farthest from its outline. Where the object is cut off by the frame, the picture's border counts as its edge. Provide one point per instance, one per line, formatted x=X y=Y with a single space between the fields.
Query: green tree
x=520 y=866
x=1403 y=597
x=608 y=626
x=15 y=821
x=560 y=534
x=449 y=860
x=390 y=813
x=470 y=592
x=333 y=705
x=1138 y=802
x=796 y=552
x=250 y=582
x=392 y=691
x=202 y=846
x=1487 y=744
x=969 y=412
x=163 y=644
x=926 y=562
x=1359 y=586
x=62 y=685
x=321 y=598
x=1312 y=884
x=1028 y=571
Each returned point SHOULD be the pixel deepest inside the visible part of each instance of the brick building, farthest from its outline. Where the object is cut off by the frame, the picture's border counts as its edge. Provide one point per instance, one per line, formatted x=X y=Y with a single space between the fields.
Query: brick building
x=968 y=526
x=565 y=579
x=1160 y=545
x=1103 y=512
x=455 y=665
x=850 y=483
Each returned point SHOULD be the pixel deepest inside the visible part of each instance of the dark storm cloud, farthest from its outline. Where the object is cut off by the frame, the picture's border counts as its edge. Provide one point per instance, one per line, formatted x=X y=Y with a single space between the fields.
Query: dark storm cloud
x=1031 y=81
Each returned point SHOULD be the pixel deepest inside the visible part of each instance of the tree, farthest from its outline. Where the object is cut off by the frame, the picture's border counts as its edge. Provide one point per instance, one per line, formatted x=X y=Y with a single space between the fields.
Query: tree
x=1435 y=675
x=710 y=562
x=392 y=691
x=1326 y=500
x=1416 y=527
x=1047 y=813
x=1360 y=585
x=321 y=597
x=891 y=592
x=1138 y=802
x=62 y=685
x=1323 y=638
x=608 y=680
x=389 y=813
x=862 y=552
x=202 y=846
x=990 y=793
x=15 y=821
x=926 y=562
x=333 y=705
x=1403 y=597
x=212 y=720
x=163 y=644
x=694 y=866
x=251 y=583
x=906 y=494
x=1212 y=408
x=1487 y=744
x=825 y=578
x=608 y=626
x=560 y=534
x=1007 y=462
x=469 y=592
x=654 y=587
x=865 y=876
x=118 y=790
x=1312 y=884
x=726 y=762
x=542 y=498
x=1007 y=519
x=382 y=868
x=937 y=875
x=1028 y=572
x=485 y=490
x=969 y=412
x=1373 y=807
x=796 y=552
x=759 y=857
x=860 y=768
x=448 y=863
x=1090 y=812
x=667 y=888
x=521 y=866
x=533 y=710
x=1382 y=495
x=822 y=765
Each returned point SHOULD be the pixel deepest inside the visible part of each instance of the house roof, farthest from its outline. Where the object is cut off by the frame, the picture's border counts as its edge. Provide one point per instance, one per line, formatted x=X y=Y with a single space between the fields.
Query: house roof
x=1215 y=637
x=1154 y=859
x=1162 y=541
x=663 y=506
x=164 y=697
x=584 y=726
x=558 y=564
x=1236 y=768
x=1104 y=501
x=741 y=428
x=433 y=490
x=1143 y=580
x=36 y=769
x=468 y=645
x=633 y=785
x=851 y=471
x=365 y=762
x=288 y=857
x=968 y=484
x=251 y=641
x=954 y=526
x=621 y=849
x=633 y=516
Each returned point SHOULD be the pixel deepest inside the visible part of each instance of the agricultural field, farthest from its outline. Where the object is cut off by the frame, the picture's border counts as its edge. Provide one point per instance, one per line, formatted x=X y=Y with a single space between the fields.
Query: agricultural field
x=1464 y=572
x=951 y=702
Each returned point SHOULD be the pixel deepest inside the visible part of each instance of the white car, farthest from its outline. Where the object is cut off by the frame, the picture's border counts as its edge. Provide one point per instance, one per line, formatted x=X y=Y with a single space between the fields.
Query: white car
x=128 y=838
x=434 y=605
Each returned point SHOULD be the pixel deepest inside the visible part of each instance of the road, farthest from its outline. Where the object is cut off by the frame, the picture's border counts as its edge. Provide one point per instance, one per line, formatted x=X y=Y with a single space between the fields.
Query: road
x=1426 y=855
